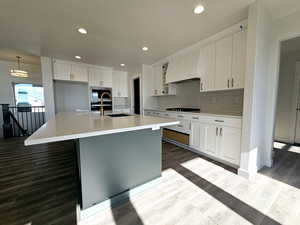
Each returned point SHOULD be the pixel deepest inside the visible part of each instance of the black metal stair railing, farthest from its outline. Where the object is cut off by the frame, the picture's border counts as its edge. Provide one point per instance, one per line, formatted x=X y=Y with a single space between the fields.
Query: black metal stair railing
x=22 y=120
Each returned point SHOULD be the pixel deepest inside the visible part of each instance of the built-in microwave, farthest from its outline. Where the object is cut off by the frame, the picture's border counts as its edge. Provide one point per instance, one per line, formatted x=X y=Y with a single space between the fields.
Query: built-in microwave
x=95 y=98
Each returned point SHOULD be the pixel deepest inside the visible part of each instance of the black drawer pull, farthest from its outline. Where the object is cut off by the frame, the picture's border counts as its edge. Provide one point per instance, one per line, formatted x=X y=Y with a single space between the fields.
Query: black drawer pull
x=195 y=118
x=219 y=121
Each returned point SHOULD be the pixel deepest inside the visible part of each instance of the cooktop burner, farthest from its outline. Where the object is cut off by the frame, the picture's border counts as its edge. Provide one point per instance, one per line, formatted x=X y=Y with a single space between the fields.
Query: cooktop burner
x=183 y=109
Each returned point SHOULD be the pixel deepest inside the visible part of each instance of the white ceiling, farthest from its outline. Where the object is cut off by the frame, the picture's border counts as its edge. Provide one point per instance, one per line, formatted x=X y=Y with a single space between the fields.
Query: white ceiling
x=281 y=8
x=117 y=29
x=10 y=55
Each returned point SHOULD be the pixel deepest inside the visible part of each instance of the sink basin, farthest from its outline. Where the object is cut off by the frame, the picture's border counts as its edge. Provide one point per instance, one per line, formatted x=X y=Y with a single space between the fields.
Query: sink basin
x=119 y=115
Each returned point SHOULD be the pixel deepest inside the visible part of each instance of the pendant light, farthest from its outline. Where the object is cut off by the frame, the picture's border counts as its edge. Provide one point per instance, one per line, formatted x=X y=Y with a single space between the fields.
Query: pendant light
x=18 y=72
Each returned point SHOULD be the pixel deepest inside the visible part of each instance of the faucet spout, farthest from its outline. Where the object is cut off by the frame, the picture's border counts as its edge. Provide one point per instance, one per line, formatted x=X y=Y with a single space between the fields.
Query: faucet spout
x=101 y=102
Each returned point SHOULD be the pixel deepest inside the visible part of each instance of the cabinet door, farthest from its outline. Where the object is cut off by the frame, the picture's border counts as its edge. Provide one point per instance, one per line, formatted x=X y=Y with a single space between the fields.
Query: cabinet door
x=230 y=144
x=95 y=77
x=195 y=136
x=124 y=84
x=107 y=78
x=190 y=64
x=208 y=139
x=120 y=84
x=223 y=63
x=61 y=71
x=116 y=86
x=239 y=60
x=79 y=73
x=203 y=137
x=207 y=67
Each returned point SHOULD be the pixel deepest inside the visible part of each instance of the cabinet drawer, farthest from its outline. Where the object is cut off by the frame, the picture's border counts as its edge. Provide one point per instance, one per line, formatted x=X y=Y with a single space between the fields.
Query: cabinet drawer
x=176 y=136
x=220 y=121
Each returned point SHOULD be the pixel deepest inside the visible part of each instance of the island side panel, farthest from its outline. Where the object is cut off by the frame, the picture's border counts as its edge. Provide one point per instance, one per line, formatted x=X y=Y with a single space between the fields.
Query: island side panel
x=112 y=164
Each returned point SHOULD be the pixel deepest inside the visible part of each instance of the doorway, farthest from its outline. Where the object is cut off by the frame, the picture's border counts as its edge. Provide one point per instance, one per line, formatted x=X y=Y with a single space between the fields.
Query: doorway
x=136 y=96
x=287 y=123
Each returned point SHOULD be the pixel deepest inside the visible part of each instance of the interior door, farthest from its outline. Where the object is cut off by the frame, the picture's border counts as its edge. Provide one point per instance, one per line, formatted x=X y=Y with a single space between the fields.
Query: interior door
x=297 y=93
x=136 y=90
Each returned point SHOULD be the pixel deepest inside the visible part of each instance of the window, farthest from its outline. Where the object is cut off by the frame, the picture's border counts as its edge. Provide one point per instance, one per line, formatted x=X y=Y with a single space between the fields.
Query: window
x=29 y=95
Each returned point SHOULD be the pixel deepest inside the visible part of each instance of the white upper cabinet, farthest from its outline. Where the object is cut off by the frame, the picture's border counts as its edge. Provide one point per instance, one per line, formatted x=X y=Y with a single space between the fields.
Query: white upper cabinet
x=239 y=60
x=119 y=84
x=207 y=67
x=107 y=78
x=61 y=70
x=64 y=70
x=223 y=63
x=190 y=65
x=183 y=66
x=100 y=77
x=79 y=73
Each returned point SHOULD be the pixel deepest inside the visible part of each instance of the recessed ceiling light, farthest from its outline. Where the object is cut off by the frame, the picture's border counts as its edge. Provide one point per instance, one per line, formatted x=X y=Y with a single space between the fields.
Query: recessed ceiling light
x=77 y=57
x=82 y=30
x=199 y=9
x=145 y=48
x=122 y=64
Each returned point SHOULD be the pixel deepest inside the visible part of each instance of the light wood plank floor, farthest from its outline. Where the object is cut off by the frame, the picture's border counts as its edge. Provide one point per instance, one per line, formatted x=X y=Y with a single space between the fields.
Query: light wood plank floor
x=197 y=191
x=38 y=185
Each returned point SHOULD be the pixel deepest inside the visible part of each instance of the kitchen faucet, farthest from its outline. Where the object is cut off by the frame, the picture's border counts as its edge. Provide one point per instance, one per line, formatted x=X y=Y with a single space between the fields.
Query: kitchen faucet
x=101 y=102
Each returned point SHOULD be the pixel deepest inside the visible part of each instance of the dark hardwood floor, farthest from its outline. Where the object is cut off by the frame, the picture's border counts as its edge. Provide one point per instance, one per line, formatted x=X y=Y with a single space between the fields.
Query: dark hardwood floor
x=38 y=184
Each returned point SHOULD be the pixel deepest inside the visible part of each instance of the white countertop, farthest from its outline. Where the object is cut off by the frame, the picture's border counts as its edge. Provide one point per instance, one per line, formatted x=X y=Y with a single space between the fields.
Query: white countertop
x=73 y=125
x=237 y=115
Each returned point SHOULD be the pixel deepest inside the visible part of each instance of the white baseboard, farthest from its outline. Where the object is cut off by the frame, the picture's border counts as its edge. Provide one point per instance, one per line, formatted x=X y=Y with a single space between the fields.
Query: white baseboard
x=246 y=173
x=94 y=210
x=199 y=153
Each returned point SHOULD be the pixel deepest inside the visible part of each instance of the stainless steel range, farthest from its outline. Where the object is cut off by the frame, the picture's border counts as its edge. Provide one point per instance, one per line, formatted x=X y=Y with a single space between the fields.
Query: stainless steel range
x=184 y=109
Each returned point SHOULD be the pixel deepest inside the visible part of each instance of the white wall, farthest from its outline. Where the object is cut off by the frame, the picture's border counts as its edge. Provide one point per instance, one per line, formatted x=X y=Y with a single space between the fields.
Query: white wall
x=46 y=67
x=283 y=29
x=6 y=82
x=255 y=97
x=285 y=108
x=71 y=96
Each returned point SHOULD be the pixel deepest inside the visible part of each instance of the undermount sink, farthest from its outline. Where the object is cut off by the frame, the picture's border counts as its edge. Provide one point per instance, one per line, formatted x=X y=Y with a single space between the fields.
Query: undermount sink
x=119 y=115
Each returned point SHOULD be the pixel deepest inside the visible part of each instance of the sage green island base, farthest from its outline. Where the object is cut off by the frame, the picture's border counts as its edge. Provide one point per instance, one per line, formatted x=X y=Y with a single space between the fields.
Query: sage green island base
x=112 y=164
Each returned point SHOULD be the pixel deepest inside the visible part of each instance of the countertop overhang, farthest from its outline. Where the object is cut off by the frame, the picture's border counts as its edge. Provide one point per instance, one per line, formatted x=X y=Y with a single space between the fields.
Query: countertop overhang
x=68 y=126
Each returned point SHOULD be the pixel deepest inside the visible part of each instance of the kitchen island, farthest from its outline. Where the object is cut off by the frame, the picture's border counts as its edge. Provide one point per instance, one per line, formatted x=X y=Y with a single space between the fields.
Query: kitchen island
x=115 y=153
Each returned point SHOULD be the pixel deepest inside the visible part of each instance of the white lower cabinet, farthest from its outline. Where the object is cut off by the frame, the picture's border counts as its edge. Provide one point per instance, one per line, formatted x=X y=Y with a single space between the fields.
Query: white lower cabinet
x=230 y=144
x=219 y=141
x=219 y=137
x=203 y=137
